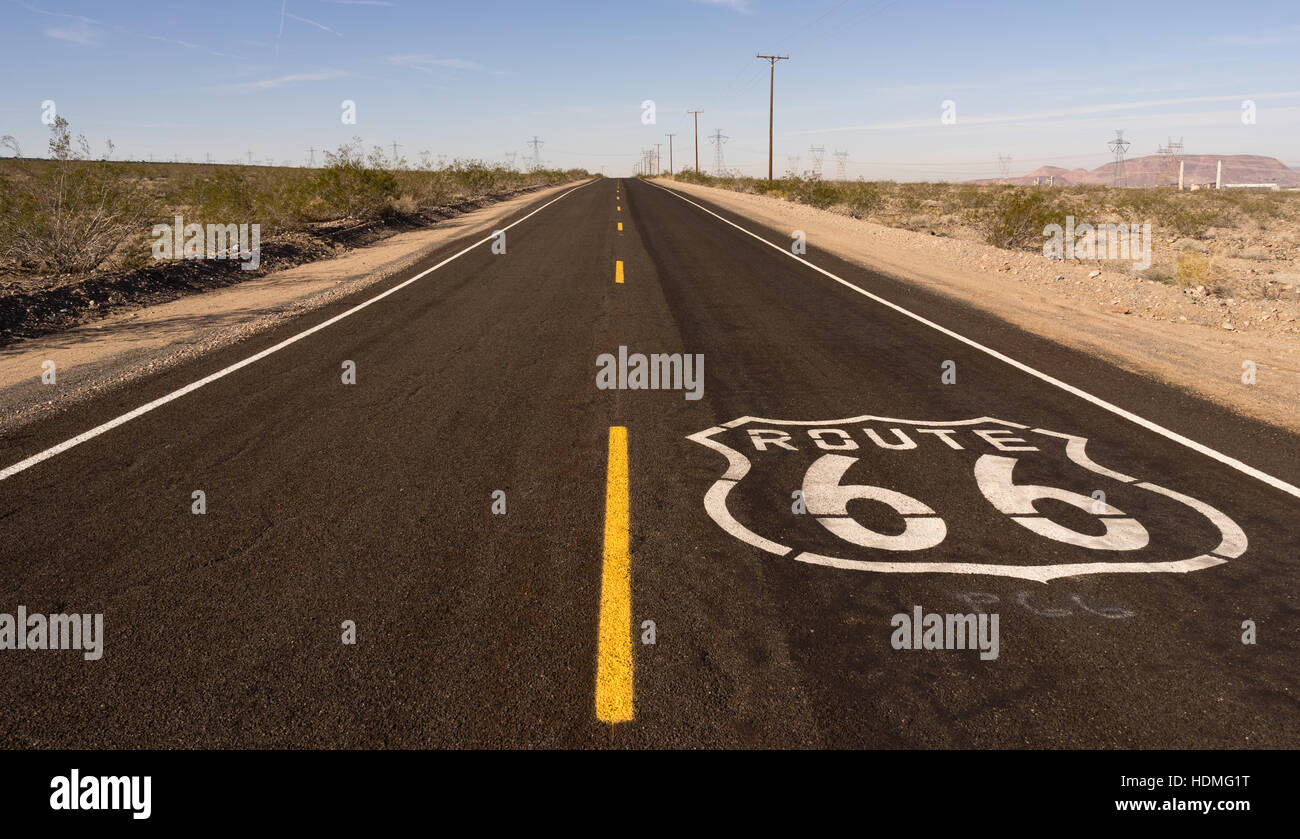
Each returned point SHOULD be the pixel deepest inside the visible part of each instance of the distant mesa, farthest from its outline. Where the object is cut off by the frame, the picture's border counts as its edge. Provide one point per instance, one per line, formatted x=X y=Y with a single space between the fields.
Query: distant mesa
x=1159 y=170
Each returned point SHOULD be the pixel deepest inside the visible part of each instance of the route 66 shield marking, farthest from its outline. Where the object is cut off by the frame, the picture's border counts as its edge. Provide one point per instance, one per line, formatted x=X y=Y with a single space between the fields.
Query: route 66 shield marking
x=869 y=509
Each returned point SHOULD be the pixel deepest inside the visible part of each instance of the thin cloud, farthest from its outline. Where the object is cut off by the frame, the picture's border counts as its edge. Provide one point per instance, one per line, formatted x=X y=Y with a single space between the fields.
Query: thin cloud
x=48 y=13
x=741 y=6
x=292 y=16
x=428 y=63
x=1281 y=37
x=283 y=4
x=280 y=81
x=77 y=32
x=88 y=31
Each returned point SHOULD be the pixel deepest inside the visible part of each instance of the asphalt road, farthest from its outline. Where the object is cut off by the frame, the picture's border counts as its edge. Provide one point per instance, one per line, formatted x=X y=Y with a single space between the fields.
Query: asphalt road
x=372 y=502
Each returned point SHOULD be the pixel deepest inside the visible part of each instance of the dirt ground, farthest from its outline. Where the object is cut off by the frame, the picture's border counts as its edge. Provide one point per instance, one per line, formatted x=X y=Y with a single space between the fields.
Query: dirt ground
x=96 y=356
x=1188 y=338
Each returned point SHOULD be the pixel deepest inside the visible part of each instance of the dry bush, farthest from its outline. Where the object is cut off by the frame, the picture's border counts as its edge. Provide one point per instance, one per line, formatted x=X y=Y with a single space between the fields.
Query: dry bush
x=75 y=213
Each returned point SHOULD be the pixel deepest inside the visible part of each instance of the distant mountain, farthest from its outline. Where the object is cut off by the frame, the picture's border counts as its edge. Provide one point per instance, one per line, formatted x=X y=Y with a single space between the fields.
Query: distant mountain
x=1160 y=170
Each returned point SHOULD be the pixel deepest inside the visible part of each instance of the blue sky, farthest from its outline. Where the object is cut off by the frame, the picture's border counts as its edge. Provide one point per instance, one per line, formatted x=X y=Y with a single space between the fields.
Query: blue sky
x=1043 y=83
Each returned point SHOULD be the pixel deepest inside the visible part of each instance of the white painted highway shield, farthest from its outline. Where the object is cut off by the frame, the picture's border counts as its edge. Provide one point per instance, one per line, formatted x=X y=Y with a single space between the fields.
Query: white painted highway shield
x=976 y=496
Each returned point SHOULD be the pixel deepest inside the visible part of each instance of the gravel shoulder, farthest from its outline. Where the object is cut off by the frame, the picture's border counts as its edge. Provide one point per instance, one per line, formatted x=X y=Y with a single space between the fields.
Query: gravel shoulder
x=98 y=356
x=1191 y=341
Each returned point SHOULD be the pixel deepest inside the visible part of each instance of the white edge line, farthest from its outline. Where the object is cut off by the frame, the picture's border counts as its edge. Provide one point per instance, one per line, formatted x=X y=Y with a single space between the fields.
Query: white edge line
x=177 y=394
x=1276 y=483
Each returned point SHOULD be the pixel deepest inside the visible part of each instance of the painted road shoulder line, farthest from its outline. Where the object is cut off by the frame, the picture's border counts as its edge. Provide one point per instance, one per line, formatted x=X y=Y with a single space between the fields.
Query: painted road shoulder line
x=1200 y=448
x=190 y=388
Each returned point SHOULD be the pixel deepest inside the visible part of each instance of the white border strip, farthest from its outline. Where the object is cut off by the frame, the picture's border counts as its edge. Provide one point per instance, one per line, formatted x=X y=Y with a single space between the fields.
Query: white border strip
x=1245 y=469
x=177 y=394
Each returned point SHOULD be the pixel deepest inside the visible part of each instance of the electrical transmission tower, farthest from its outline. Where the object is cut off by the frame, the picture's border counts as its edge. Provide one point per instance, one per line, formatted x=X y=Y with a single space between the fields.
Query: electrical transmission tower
x=510 y=159
x=718 y=139
x=396 y=145
x=1118 y=147
x=1004 y=165
x=1171 y=154
x=818 y=155
x=311 y=159
x=793 y=160
x=841 y=165
x=537 y=151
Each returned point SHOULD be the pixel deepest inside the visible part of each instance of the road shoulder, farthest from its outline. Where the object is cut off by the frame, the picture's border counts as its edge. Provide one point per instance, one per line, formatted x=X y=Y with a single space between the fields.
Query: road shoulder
x=99 y=356
x=1206 y=361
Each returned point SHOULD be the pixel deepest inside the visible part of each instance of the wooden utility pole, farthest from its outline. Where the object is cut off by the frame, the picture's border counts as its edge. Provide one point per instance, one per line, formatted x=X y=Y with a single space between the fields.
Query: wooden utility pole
x=697 y=138
x=771 y=101
x=670 y=153
x=659 y=157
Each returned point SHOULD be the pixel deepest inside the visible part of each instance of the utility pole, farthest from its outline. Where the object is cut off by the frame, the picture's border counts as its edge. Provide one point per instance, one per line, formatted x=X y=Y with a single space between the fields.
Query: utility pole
x=697 y=138
x=659 y=157
x=771 y=102
x=250 y=157
x=670 y=153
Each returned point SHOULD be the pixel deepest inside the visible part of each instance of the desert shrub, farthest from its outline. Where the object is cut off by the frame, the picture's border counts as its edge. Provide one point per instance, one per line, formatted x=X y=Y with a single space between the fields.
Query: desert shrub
x=75 y=213
x=1018 y=219
x=1159 y=273
x=816 y=192
x=352 y=185
x=863 y=198
x=1193 y=269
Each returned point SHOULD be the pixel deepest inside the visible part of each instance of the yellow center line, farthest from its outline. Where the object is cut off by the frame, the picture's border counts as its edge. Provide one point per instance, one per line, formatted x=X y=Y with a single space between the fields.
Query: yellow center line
x=614 y=650
x=620 y=227
x=618 y=271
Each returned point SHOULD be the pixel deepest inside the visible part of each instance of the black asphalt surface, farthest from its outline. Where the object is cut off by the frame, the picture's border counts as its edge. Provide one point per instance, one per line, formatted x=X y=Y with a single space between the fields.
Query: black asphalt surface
x=372 y=502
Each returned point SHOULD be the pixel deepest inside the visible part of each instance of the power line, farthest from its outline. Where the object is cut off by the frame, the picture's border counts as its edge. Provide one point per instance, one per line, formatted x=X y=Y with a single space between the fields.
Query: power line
x=670 y=153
